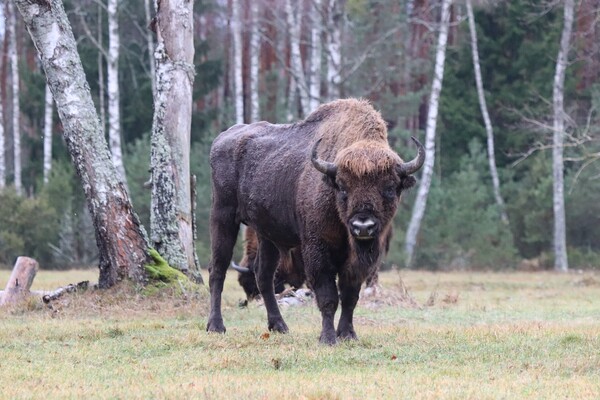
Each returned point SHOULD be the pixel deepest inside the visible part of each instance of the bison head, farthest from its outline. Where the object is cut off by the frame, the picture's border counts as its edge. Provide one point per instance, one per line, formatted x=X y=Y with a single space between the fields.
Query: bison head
x=368 y=179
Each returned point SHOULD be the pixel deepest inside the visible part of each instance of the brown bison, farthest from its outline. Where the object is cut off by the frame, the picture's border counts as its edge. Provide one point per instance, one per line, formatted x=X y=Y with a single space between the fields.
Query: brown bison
x=290 y=270
x=277 y=179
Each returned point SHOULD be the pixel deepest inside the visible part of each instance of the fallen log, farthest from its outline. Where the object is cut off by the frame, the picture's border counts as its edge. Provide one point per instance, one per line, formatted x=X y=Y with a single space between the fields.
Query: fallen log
x=70 y=288
x=21 y=278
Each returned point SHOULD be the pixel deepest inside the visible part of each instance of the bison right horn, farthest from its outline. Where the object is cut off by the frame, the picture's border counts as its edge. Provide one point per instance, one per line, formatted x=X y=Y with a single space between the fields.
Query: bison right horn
x=325 y=167
x=238 y=268
x=409 y=168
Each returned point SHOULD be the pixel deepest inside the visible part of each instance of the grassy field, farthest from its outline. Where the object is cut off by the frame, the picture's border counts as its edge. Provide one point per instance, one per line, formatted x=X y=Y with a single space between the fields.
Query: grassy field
x=450 y=336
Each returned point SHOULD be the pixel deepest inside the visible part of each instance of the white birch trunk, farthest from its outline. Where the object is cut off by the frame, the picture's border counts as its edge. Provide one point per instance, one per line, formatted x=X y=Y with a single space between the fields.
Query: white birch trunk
x=101 y=90
x=120 y=237
x=171 y=216
x=48 y=109
x=14 y=68
x=334 y=52
x=150 y=44
x=486 y=117
x=254 y=61
x=236 y=26
x=297 y=71
x=436 y=88
x=315 y=55
x=561 y=262
x=2 y=141
x=114 y=113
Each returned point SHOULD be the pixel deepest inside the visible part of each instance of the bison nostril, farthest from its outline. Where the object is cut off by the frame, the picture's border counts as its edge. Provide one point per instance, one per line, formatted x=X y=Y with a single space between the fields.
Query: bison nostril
x=363 y=225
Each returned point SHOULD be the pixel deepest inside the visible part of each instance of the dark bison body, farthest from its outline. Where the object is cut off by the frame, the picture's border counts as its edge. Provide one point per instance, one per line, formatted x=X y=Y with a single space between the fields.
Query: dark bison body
x=275 y=179
x=290 y=270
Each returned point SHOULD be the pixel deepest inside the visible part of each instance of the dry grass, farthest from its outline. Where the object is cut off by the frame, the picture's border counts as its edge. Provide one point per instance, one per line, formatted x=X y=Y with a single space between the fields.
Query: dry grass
x=483 y=336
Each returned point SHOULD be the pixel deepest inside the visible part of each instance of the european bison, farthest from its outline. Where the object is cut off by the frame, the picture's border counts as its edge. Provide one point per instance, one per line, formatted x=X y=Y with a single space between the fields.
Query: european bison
x=277 y=179
x=290 y=270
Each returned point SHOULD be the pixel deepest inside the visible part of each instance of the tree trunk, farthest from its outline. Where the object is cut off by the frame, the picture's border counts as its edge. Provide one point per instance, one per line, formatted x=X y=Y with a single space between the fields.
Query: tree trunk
x=150 y=44
x=561 y=262
x=114 y=114
x=436 y=88
x=315 y=55
x=20 y=281
x=293 y=20
x=2 y=141
x=238 y=83
x=335 y=18
x=120 y=238
x=16 y=109
x=254 y=62
x=171 y=216
x=48 y=109
x=486 y=117
x=101 y=90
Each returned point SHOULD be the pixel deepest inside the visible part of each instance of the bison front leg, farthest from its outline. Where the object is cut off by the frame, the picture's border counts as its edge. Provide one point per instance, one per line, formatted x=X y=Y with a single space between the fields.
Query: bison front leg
x=224 y=230
x=327 y=299
x=349 y=293
x=268 y=259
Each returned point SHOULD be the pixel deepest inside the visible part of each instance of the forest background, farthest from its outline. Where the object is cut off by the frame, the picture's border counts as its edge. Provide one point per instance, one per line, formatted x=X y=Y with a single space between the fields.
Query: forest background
x=381 y=50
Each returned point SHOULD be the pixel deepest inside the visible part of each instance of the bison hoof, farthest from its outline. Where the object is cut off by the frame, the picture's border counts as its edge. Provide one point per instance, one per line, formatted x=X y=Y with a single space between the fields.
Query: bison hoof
x=348 y=334
x=278 y=326
x=328 y=338
x=215 y=325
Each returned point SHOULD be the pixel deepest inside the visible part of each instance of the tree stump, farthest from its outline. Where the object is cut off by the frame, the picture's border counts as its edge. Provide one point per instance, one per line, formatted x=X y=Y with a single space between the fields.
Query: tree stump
x=20 y=281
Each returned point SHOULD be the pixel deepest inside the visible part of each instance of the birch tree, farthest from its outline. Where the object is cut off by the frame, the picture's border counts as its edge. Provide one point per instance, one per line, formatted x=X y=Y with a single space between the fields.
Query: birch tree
x=16 y=109
x=432 y=113
x=171 y=217
x=150 y=44
x=293 y=21
x=112 y=75
x=335 y=17
x=254 y=61
x=2 y=141
x=561 y=262
x=120 y=238
x=484 y=113
x=236 y=33
x=48 y=109
x=315 y=55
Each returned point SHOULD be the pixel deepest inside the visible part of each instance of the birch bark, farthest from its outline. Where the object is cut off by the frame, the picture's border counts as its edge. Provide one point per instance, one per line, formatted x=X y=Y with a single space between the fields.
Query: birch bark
x=436 y=88
x=114 y=113
x=48 y=109
x=120 y=237
x=335 y=17
x=171 y=216
x=2 y=141
x=16 y=109
x=254 y=61
x=236 y=26
x=150 y=44
x=297 y=70
x=561 y=262
x=315 y=55
x=486 y=116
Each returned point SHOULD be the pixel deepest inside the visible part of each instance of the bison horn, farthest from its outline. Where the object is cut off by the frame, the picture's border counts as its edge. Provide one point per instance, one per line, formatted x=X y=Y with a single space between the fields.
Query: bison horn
x=409 y=168
x=325 y=167
x=238 y=268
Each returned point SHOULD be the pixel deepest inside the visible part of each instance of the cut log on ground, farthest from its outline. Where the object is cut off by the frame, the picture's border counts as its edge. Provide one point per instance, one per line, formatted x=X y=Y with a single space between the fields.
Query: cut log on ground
x=49 y=296
x=20 y=281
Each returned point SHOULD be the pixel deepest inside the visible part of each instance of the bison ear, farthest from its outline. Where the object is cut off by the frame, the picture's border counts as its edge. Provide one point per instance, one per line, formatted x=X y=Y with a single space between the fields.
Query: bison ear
x=407 y=182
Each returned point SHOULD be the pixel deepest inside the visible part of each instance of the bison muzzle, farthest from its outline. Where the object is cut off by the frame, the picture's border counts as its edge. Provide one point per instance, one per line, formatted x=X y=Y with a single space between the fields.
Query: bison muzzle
x=329 y=185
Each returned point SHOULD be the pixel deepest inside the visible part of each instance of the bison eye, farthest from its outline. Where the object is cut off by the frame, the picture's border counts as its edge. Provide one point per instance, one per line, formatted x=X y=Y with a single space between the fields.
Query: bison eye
x=343 y=194
x=389 y=192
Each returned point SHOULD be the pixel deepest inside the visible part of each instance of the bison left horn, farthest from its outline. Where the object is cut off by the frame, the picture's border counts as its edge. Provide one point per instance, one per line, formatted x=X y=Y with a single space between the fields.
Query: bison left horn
x=409 y=168
x=325 y=167
x=238 y=268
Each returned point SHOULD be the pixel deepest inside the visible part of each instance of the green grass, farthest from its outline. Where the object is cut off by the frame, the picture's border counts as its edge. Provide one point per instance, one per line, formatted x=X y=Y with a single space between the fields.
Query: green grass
x=486 y=336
